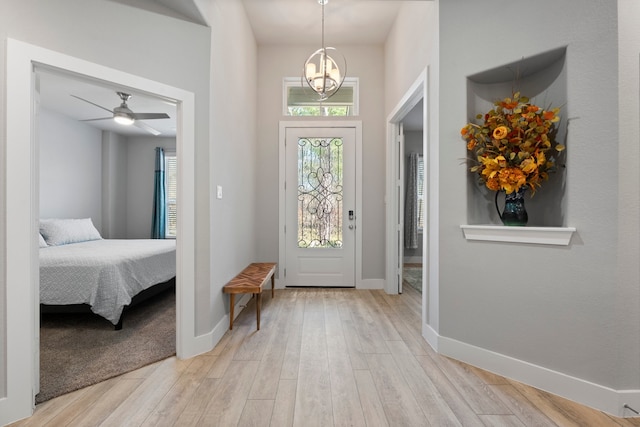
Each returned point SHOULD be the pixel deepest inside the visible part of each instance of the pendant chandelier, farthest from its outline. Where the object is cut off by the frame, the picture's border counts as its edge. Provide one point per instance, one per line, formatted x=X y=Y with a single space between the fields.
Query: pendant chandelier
x=321 y=71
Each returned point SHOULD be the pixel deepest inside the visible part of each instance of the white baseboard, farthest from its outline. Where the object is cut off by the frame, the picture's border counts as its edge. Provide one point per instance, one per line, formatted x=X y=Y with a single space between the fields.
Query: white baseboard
x=371 y=284
x=431 y=336
x=584 y=392
x=412 y=260
x=206 y=342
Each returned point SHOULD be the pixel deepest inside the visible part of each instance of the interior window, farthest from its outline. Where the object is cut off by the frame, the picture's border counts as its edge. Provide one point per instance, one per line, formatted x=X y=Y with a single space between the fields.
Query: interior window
x=300 y=100
x=420 y=192
x=171 y=175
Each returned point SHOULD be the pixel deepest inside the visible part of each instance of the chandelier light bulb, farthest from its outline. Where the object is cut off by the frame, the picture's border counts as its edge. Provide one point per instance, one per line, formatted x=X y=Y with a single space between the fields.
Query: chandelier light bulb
x=327 y=64
x=311 y=70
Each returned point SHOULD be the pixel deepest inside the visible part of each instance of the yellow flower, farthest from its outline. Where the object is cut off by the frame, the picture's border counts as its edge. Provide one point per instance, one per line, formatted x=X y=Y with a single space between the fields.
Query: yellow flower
x=500 y=132
x=528 y=165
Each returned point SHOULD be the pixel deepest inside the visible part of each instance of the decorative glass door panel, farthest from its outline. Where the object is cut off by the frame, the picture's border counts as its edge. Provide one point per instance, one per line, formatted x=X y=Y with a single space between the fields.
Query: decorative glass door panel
x=320 y=192
x=320 y=206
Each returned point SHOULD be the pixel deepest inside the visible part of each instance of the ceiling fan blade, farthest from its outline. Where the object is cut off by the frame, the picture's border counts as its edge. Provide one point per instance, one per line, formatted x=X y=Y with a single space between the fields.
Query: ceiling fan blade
x=150 y=116
x=92 y=103
x=146 y=127
x=94 y=120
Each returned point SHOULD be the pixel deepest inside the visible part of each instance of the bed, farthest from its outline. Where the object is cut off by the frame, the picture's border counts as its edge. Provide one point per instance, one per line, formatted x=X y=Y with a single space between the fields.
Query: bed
x=80 y=269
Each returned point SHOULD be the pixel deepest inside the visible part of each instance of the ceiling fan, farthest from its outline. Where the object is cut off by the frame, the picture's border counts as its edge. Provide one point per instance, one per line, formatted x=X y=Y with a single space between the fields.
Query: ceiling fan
x=124 y=116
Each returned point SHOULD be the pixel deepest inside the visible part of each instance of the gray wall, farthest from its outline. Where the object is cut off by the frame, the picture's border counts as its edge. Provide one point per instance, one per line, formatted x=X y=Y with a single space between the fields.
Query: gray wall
x=70 y=169
x=235 y=162
x=627 y=305
x=114 y=186
x=410 y=47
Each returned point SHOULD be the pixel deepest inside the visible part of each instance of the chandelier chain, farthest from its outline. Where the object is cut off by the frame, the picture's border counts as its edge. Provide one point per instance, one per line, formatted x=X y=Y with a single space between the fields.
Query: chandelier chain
x=323 y=61
x=323 y=46
x=321 y=72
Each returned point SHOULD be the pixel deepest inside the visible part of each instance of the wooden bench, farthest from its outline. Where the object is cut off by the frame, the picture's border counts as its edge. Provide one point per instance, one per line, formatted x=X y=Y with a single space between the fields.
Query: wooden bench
x=250 y=281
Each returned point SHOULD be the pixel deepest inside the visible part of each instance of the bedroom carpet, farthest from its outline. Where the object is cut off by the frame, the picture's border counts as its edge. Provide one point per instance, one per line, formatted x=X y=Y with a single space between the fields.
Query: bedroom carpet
x=77 y=350
x=412 y=275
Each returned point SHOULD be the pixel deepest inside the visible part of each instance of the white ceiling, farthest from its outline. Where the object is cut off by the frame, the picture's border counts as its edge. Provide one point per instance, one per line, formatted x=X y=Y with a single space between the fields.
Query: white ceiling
x=273 y=22
x=296 y=21
x=300 y=21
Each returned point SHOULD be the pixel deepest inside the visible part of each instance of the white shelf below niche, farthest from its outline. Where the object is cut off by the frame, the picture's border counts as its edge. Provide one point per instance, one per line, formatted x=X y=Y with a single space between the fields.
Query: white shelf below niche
x=534 y=235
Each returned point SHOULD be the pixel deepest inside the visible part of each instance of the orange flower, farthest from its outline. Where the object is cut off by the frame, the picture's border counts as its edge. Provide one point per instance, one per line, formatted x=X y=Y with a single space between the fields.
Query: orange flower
x=464 y=131
x=471 y=144
x=500 y=132
x=548 y=115
x=493 y=184
x=511 y=179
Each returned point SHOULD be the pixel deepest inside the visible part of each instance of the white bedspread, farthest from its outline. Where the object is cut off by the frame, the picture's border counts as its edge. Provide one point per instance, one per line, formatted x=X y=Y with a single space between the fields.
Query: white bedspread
x=105 y=274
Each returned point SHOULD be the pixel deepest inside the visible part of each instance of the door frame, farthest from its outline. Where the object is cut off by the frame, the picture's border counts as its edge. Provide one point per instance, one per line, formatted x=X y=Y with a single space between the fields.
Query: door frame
x=400 y=198
x=284 y=124
x=21 y=221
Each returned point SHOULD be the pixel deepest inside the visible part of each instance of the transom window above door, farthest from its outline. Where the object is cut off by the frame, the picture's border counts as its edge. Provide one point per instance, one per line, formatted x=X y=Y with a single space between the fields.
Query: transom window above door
x=299 y=100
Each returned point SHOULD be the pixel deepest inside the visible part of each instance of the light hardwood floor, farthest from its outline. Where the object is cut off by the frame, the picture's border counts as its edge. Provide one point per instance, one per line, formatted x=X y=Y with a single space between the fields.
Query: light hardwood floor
x=323 y=357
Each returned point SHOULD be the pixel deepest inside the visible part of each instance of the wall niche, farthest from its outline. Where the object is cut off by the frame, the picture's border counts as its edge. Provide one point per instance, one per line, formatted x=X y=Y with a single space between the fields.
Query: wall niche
x=542 y=78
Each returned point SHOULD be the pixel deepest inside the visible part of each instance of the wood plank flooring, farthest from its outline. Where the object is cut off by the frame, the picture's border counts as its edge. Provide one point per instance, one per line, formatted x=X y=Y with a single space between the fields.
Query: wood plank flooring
x=323 y=357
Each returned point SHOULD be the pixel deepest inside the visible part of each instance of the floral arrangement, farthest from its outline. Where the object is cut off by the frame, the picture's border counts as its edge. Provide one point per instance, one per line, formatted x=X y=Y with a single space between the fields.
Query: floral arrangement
x=515 y=146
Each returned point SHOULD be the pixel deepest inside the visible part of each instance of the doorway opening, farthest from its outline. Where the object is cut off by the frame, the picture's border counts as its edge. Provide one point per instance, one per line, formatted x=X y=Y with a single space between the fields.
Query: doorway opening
x=104 y=172
x=412 y=201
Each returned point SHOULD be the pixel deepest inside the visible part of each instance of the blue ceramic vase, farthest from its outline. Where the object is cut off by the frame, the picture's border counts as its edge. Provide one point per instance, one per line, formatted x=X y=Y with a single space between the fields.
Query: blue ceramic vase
x=514 y=212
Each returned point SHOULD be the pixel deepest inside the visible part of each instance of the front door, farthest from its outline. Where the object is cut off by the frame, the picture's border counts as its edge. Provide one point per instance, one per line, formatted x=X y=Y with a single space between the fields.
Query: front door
x=320 y=205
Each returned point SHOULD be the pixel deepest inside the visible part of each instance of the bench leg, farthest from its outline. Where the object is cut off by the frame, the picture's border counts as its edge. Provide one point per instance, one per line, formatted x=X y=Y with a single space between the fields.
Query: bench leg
x=273 y=285
x=258 y=301
x=232 y=298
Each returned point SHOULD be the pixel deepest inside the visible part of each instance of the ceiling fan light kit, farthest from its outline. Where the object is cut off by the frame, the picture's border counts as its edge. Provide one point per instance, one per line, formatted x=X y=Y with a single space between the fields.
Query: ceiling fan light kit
x=322 y=72
x=122 y=119
x=122 y=114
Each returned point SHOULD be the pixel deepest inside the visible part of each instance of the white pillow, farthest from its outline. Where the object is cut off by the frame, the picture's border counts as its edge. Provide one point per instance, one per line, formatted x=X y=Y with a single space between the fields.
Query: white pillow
x=63 y=231
x=43 y=243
